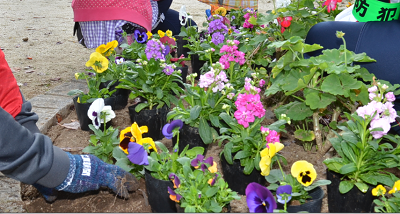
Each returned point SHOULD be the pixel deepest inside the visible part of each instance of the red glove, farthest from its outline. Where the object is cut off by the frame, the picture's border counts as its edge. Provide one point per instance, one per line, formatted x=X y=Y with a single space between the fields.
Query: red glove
x=10 y=96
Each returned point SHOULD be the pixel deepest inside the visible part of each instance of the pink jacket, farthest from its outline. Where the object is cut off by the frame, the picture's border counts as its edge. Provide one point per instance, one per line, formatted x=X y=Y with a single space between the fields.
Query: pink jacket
x=136 y=11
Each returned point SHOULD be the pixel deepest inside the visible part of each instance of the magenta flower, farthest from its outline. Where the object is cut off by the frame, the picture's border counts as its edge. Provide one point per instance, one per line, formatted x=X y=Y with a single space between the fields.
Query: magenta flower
x=231 y=54
x=331 y=4
x=272 y=137
x=169 y=127
x=137 y=154
x=259 y=199
x=262 y=83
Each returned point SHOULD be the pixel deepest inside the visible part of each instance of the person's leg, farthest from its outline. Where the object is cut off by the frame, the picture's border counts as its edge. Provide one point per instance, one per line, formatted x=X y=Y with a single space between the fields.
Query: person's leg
x=172 y=23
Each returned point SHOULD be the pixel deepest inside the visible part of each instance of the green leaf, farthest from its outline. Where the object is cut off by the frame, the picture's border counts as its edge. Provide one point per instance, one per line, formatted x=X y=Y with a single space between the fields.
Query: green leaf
x=299 y=111
x=195 y=112
x=205 y=131
x=274 y=176
x=334 y=164
x=348 y=168
x=215 y=207
x=242 y=154
x=190 y=209
x=317 y=184
x=317 y=100
x=141 y=106
x=363 y=187
x=211 y=191
x=304 y=135
x=345 y=186
x=340 y=84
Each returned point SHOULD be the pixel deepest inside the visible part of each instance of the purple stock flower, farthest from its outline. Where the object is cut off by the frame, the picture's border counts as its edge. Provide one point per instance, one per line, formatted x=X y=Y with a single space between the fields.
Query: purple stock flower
x=217 y=38
x=199 y=160
x=259 y=199
x=169 y=127
x=168 y=70
x=137 y=154
x=154 y=49
x=286 y=189
x=390 y=97
x=217 y=25
x=140 y=36
x=175 y=180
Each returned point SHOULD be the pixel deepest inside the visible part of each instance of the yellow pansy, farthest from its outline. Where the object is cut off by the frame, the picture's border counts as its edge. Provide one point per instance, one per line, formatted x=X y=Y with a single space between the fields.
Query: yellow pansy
x=304 y=172
x=378 y=190
x=265 y=163
x=169 y=33
x=396 y=187
x=221 y=11
x=138 y=131
x=213 y=168
x=149 y=35
x=107 y=49
x=78 y=101
x=98 y=62
x=148 y=140
x=267 y=154
x=161 y=33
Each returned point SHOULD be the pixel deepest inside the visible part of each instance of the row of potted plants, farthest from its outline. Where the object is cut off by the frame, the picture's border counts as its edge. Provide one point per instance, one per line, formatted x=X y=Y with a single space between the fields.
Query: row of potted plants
x=245 y=59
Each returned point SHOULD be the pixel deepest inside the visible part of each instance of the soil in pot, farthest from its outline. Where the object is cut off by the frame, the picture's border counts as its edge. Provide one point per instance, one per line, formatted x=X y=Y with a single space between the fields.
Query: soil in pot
x=189 y=136
x=236 y=179
x=158 y=196
x=196 y=65
x=353 y=201
x=154 y=119
x=312 y=205
x=82 y=109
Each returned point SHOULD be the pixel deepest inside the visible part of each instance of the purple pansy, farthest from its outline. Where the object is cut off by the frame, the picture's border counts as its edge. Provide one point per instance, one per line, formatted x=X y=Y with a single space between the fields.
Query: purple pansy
x=137 y=154
x=286 y=189
x=175 y=180
x=169 y=127
x=259 y=199
x=200 y=162
x=173 y=195
x=214 y=179
x=140 y=36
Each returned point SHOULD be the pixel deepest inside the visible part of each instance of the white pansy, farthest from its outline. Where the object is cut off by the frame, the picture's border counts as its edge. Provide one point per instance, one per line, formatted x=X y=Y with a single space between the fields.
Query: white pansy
x=110 y=114
x=183 y=16
x=94 y=112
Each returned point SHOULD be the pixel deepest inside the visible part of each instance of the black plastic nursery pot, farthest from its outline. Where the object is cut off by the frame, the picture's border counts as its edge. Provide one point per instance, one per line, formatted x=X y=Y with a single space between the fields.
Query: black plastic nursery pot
x=196 y=64
x=82 y=109
x=312 y=205
x=121 y=95
x=353 y=201
x=158 y=196
x=184 y=73
x=180 y=42
x=236 y=179
x=189 y=135
x=154 y=119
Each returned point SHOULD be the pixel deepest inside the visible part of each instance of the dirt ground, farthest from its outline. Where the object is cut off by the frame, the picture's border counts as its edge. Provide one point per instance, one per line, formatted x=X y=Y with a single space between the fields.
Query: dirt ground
x=37 y=39
x=104 y=201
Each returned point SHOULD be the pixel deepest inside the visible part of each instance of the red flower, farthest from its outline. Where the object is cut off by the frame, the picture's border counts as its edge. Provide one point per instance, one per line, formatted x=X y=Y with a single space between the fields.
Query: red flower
x=331 y=4
x=177 y=59
x=285 y=22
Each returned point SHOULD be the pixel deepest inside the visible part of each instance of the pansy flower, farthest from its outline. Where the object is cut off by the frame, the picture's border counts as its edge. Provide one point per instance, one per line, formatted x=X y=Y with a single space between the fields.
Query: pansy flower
x=200 y=162
x=175 y=180
x=107 y=49
x=396 y=187
x=137 y=154
x=213 y=168
x=266 y=155
x=95 y=111
x=168 y=33
x=173 y=195
x=98 y=62
x=378 y=190
x=134 y=134
x=212 y=180
x=220 y=11
x=149 y=35
x=119 y=60
x=284 y=194
x=183 y=16
x=161 y=33
x=259 y=199
x=169 y=127
x=140 y=35
x=304 y=172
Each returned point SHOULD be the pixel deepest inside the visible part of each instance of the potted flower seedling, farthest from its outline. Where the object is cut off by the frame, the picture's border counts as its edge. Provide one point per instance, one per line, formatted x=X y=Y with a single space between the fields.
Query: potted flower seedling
x=387 y=203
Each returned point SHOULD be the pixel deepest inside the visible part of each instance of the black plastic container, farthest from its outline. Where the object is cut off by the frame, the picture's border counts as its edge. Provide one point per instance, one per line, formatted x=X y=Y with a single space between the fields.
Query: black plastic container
x=82 y=109
x=121 y=95
x=158 y=196
x=154 y=119
x=236 y=179
x=180 y=42
x=184 y=73
x=353 y=201
x=189 y=136
x=312 y=205
x=196 y=65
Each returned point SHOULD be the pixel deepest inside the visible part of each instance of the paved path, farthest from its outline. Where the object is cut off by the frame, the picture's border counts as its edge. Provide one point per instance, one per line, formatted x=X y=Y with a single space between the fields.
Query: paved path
x=55 y=101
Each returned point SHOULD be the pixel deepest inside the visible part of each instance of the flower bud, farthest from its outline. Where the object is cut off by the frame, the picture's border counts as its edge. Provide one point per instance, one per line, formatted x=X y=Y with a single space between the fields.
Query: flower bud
x=76 y=75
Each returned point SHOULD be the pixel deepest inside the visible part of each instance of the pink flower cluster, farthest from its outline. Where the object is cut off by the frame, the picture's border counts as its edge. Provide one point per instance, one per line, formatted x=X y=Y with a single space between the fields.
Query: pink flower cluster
x=213 y=76
x=231 y=54
x=271 y=136
x=382 y=113
x=247 y=16
x=248 y=107
x=249 y=87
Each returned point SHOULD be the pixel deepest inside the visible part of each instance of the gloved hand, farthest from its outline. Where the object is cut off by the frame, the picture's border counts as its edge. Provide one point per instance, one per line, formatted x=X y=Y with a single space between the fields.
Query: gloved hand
x=86 y=173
